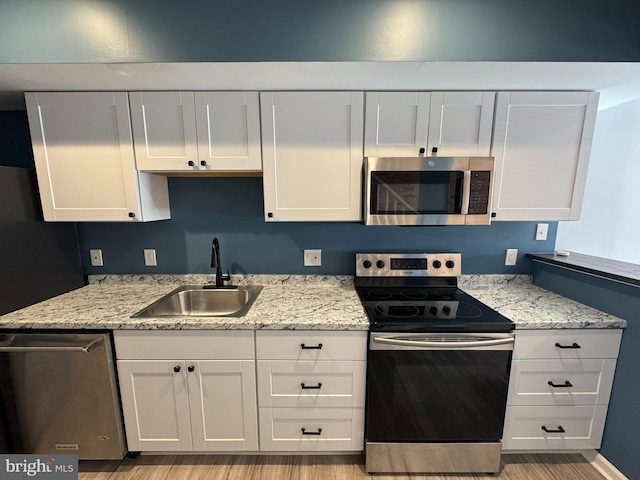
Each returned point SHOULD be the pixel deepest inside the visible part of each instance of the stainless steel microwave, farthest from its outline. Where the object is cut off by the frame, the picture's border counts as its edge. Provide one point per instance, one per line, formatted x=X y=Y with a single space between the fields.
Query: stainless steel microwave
x=428 y=190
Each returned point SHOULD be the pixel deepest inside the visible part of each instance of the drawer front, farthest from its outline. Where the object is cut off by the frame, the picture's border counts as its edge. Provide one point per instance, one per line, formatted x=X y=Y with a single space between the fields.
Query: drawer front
x=567 y=344
x=325 y=429
x=582 y=425
x=561 y=382
x=184 y=344
x=306 y=345
x=286 y=383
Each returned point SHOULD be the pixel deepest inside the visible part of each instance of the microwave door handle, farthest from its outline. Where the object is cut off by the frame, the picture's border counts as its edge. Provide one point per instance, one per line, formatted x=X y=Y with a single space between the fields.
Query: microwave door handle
x=466 y=187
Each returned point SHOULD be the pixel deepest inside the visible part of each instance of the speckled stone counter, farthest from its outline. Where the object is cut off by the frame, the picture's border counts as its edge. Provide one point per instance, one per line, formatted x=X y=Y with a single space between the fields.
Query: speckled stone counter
x=287 y=302
x=532 y=307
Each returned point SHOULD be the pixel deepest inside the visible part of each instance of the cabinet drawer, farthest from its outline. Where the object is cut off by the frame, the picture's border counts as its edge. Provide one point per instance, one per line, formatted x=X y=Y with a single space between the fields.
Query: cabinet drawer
x=567 y=344
x=575 y=382
x=311 y=384
x=582 y=425
x=184 y=344
x=336 y=429
x=306 y=345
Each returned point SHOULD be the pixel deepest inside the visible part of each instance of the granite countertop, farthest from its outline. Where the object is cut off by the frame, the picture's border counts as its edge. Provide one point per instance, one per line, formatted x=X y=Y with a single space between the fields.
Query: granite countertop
x=287 y=302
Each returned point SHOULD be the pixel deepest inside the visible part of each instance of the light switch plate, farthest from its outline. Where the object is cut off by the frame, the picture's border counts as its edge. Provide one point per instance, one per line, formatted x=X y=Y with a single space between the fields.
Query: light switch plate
x=312 y=258
x=512 y=256
x=541 y=231
x=150 y=257
x=96 y=258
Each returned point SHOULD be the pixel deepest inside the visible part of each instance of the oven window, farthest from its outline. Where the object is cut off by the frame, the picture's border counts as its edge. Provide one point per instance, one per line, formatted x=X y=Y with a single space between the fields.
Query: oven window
x=415 y=193
x=436 y=396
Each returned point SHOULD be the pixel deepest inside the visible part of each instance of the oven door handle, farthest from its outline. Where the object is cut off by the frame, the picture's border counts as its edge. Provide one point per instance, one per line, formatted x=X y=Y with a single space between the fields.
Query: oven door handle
x=451 y=344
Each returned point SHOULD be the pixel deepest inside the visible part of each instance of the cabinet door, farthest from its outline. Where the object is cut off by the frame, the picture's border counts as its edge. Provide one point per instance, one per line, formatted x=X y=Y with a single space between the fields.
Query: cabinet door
x=222 y=395
x=164 y=130
x=84 y=159
x=228 y=126
x=312 y=151
x=542 y=142
x=396 y=124
x=155 y=405
x=460 y=123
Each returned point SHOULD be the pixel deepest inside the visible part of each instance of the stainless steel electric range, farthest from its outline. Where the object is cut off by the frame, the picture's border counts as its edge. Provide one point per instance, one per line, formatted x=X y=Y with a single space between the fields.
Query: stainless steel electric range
x=438 y=367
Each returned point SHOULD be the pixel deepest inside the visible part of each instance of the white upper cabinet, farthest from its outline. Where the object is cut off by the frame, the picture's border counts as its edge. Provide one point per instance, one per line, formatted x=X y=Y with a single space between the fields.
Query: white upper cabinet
x=397 y=123
x=312 y=152
x=84 y=160
x=460 y=123
x=164 y=130
x=542 y=142
x=196 y=131
x=454 y=123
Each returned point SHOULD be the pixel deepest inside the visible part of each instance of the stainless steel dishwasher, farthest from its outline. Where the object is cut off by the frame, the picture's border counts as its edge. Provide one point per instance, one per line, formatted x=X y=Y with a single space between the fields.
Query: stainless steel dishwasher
x=58 y=394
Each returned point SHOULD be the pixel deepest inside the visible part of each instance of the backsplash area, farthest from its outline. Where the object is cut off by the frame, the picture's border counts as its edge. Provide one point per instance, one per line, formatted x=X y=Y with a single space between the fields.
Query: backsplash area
x=232 y=210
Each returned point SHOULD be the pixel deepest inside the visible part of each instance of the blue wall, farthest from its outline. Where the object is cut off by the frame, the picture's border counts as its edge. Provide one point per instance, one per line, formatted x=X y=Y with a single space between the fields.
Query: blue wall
x=232 y=210
x=45 y=31
x=621 y=442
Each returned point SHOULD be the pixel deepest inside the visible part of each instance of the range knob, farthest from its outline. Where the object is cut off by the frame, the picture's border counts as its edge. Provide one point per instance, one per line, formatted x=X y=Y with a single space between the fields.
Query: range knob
x=380 y=264
x=366 y=264
x=436 y=264
x=433 y=310
x=450 y=264
x=446 y=310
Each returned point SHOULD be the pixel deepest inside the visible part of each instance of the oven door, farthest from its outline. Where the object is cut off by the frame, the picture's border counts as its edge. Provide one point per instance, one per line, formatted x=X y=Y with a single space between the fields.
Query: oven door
x=444 y=388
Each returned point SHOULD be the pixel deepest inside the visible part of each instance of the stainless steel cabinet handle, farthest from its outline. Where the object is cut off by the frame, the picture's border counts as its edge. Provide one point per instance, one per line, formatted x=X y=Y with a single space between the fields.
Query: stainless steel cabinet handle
x=419 y=343
x=84 y=349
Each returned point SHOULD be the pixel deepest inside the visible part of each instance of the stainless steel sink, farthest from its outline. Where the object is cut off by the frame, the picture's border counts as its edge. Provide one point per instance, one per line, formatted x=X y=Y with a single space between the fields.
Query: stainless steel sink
x=198 y=301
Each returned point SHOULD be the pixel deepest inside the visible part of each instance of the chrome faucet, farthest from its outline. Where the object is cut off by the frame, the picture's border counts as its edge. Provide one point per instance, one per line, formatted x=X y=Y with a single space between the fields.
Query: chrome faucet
x=215 y=263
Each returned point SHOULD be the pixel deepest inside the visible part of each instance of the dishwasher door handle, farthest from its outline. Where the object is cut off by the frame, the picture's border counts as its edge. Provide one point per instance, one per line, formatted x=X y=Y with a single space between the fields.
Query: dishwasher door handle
x=82 y=349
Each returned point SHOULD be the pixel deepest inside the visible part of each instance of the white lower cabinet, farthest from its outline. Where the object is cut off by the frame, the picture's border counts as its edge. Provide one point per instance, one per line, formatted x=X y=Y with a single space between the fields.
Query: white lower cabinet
x=559 y=389
x=311 y=388
x=204 y=402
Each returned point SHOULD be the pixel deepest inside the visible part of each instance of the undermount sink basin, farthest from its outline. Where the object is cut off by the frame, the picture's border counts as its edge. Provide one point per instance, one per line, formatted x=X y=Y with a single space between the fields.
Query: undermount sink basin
x=198 y=301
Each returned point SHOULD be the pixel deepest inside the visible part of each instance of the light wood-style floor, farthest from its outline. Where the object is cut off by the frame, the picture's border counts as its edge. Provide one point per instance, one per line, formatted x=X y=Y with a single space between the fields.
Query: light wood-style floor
x=336 y=467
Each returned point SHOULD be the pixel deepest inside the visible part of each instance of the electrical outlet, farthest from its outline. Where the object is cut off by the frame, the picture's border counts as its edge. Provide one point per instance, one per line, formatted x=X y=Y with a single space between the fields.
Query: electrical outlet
x=96 y=258
x=512 y=256
x=150 y=257
x=541 y=231
x=312 y=258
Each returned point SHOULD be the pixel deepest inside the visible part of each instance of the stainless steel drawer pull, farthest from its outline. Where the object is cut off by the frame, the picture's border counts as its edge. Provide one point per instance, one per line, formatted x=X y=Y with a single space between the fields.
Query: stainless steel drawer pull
x=574 y=345
x=567 y=383
x=316 y=347
x=317 y=432
x=558 y=430
x=311 y=387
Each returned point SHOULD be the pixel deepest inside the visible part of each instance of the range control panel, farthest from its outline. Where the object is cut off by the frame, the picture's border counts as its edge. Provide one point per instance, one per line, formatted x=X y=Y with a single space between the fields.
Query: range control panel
x=408 y=265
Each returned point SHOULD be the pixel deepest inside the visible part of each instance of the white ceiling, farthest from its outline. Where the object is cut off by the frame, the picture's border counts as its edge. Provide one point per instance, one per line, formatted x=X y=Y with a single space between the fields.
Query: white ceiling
x=617 y=82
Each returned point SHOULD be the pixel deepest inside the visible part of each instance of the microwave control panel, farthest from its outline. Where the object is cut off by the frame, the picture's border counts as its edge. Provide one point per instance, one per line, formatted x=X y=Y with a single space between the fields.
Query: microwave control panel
x=408 y=265
x=479 y=191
